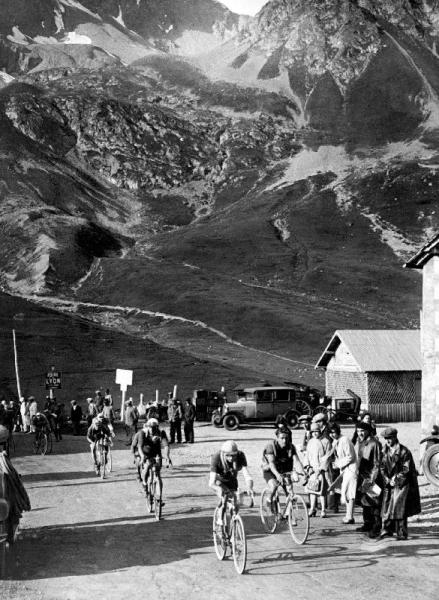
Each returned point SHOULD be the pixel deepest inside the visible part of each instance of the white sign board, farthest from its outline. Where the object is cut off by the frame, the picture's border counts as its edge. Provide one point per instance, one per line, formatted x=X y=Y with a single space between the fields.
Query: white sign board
x=124 y=377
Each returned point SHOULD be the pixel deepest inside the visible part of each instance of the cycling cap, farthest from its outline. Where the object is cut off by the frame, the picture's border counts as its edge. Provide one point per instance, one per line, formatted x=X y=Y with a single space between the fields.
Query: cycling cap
x=152 y=423
x=229 y=447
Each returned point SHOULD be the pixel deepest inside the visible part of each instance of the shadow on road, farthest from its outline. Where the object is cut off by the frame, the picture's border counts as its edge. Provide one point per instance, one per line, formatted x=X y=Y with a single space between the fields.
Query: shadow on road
x=111 y=545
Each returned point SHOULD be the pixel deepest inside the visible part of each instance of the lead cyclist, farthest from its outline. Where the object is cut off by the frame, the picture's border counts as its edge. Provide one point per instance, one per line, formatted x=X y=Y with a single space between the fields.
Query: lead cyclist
x=223 y=479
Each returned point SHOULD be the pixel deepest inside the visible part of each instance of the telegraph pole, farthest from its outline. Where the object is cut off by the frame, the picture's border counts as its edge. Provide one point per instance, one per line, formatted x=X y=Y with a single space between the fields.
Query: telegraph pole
x=17 y=376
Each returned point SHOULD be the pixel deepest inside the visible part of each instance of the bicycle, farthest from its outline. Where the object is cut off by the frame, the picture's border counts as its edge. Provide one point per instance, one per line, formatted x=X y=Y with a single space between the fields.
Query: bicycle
x=285 y=504
x=43 y=442
x=230 y=532
x=102 y=455
x=153 y=492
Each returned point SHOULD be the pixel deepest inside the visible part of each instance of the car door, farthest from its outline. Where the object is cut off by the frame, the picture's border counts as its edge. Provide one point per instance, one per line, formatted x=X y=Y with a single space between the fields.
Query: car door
x=264 y=404
x=282 y=401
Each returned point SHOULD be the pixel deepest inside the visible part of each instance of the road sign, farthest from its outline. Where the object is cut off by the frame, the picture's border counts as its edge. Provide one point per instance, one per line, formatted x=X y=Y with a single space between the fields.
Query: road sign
x=53 y=380
x=124 y=377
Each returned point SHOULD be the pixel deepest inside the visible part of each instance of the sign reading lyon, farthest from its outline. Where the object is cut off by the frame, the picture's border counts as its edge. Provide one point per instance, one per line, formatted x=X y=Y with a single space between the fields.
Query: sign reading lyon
x=53 y=379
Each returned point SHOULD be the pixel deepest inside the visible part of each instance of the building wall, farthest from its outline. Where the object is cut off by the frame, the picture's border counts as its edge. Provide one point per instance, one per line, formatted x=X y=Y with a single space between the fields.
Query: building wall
x=394 y=396
x=430 y=345
x=338 y=381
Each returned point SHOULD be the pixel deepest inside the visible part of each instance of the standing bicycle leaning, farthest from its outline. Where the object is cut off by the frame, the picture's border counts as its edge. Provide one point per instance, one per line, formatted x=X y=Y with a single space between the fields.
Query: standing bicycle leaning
x=100 y=429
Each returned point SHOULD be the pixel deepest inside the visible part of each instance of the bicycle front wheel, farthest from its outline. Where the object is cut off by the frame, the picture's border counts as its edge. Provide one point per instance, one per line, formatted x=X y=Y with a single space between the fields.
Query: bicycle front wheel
x=49 y=443
x=157 y=501
x=239 y=545
x=219 y=540
x=109 y=460
x=298 y=519
x=269 y=510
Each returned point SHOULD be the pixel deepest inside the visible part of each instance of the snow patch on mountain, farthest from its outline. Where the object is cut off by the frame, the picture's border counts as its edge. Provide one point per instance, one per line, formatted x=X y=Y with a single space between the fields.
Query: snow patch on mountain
x=119 y=17
x=32 y=278
x=76 y=38
x=18 y=37
x=391 y=236
x=79 y=6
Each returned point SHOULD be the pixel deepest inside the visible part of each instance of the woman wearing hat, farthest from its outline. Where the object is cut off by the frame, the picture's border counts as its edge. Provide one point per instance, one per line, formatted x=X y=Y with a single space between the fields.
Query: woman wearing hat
x=317 y=455
x=346 y=461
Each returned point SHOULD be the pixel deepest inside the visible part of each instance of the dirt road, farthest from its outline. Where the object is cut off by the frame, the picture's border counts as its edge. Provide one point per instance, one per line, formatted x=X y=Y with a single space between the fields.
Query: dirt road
x=88 y=538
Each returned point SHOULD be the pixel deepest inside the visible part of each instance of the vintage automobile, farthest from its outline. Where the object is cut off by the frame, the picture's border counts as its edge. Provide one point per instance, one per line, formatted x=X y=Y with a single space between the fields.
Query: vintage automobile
x=430 y=458
x=264 y=403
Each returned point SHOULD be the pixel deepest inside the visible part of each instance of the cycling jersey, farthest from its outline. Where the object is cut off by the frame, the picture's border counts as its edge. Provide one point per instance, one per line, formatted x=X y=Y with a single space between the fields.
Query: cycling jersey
x=40 y=421
x=283 y=457
x=227 y=473
x=95 y=433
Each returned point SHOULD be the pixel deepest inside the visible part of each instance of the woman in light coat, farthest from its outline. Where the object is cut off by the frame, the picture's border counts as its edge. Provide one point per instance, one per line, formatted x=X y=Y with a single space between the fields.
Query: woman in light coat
x=318 y=452
x=25 y=417
x=345 y=460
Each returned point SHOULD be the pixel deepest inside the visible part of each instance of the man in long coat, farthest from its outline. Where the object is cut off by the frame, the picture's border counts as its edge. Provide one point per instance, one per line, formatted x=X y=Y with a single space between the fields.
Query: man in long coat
x=369 y=488
x=401 y=491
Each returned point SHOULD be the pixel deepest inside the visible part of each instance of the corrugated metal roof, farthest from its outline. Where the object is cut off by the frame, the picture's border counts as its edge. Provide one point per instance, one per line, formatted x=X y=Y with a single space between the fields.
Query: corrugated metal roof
x=378 y=349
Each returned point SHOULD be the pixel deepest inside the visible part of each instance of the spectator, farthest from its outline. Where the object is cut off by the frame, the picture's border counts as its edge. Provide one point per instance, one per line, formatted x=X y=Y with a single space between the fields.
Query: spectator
x=92 y=411
x=401 y=492
x=99 y=400
x=318 y=451
x=108 y=397
x=76 y=417
x=56 y=419
x=108 y=411
x=306 y=421
x=33 y=409
x=346 y=462
x=25 y=418
x=188 y=421
x=174 y=416
x=153 y=411
x=369 y=487
x=131 y=418
x=366 y=417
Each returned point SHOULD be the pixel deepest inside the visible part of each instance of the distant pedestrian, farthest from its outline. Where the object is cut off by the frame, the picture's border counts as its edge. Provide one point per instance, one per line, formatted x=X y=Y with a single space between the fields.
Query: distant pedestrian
x=306 y=422
x=401 y=491
x=174 y=417
x=33 y=409
x=25 y=418
x=131 y=419
x=108 y=397
x=316 y=460
x=76 y=417
x=108 y=411
x=99 y=400
x=92 y=411
x=188 y=421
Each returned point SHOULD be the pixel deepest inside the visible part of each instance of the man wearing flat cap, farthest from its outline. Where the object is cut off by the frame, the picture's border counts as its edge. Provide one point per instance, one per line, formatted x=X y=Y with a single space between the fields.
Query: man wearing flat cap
x=401 y=492
x=369 y=480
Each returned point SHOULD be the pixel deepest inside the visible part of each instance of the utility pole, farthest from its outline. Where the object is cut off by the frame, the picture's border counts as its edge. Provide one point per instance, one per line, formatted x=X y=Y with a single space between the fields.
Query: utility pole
x=17 y=376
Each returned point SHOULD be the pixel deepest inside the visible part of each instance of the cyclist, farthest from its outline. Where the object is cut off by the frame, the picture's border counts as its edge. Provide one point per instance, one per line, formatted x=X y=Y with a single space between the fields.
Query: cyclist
x=224 y=468
x=147 y=448
x=100 y=428
x=278 y=460
x=41 y=424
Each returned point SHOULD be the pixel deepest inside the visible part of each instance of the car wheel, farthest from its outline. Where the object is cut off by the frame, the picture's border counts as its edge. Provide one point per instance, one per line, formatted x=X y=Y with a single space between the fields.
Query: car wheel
x=231 y=422
x=292 y=418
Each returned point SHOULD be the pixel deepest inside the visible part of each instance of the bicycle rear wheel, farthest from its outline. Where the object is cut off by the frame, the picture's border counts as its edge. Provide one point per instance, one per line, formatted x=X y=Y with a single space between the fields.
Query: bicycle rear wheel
x=157 y=499
x=298 y=519
x=239 y=545
x=44 y=443
x=219 y=540
x=269 y=510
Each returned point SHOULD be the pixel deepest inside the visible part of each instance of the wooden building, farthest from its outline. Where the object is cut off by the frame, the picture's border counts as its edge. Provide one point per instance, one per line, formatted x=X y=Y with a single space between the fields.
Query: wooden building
x=383 y=367
x=427 y=260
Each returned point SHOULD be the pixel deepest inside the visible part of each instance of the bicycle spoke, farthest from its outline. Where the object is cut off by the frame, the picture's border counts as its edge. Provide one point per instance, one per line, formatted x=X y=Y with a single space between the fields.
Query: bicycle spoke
x=298 y=519
x=239 y=545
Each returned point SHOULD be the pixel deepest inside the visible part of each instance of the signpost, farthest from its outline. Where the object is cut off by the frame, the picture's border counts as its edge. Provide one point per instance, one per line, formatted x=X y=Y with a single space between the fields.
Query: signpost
x=124 y=378
x=53 y=381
